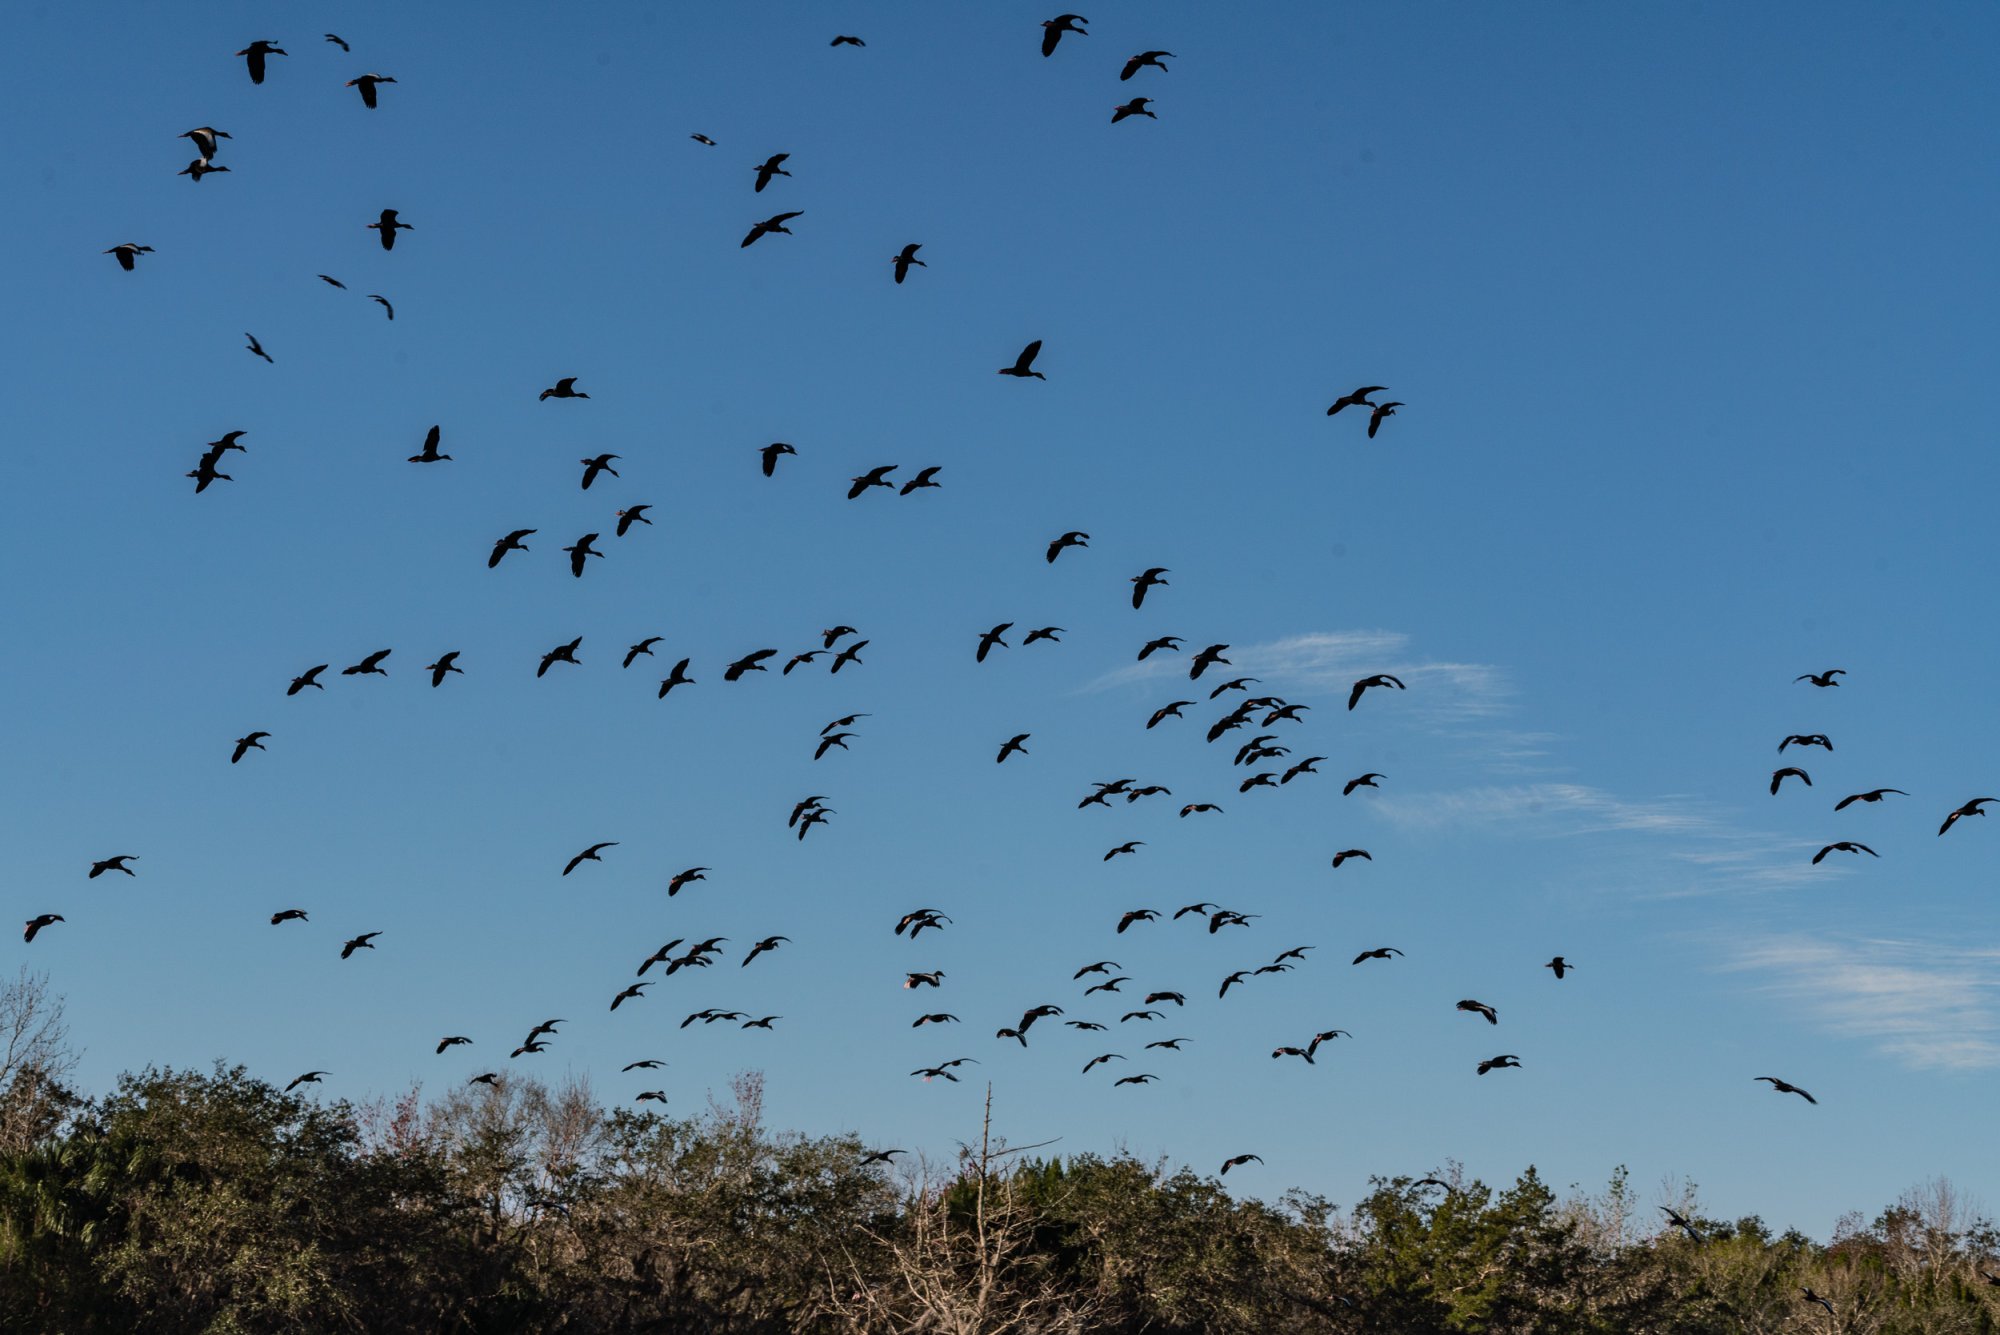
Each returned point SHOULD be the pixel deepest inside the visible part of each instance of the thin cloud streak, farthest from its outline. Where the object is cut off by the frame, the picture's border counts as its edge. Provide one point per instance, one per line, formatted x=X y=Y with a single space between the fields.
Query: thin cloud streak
x=1926 y=1006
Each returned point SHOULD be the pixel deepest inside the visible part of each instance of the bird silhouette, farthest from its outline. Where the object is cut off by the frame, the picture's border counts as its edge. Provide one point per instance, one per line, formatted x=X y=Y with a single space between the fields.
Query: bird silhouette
x=258 y=348
x=1379 y=953
x=906 y=257
x=1143 y=1078
x=1844 y=846
x=643 y=1064
x=369 y=666
x=288 y=915
x=880 y=1156
x=588 y=855
x=562 y=653
x=644 y=646
x=1144 y=580
x=1504 y=1062
x=1778 y=776
x=848 y=41
x=445 y=665
x=366 y=941
x=1807 y=1295
x=767 y=169
x=1872 y=795
x=1560 y=965
x=1012 y=746
x=1480 y=1008
x=1205 y=660
x=750 y=662
x=1364 y=781
x=511 y=543
x=451 y=1041
x=989 y=640
x=430 y=453
x=1822 y=679
x=678 y=677
x=1305 y=767
x=769 y=454
x=309 y=1078
x=764 y=946
x=383 y=302
x=1379 y=679
x=564 y=388
x=368 y=83
x=1020 y=370
x=128 y=253
x=1136 y=107
x=1130 y=846
x=1053 y=634
x=702 y=139
x=1383 y=411
x=388 y=226
x=1237 y=1161
x=597 y=464
x=1783 y=1087
x=874 y=477
x=1677 y=1220
x=1074 y=538
x=1167 y=711
x=775 y=223
x=205 y=139
x=578 y=554
x=926 y=477
x=1053 y=30
x=1976 y=807
x=325 y=278
x=1140 y=61
x=1136 y=915
x=245 y=745
x=630 y=515
x=1358 y=399
x=117 y=863
x=1170 y=642
x=35 y=924
x=254 y=55
x=1807 y=739
x=199 y=168
x=686 y=878
x=634 y=991
x=850 y=654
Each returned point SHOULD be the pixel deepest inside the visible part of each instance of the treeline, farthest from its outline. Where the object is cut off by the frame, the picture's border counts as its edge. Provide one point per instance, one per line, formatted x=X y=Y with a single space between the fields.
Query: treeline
x=212 y=1201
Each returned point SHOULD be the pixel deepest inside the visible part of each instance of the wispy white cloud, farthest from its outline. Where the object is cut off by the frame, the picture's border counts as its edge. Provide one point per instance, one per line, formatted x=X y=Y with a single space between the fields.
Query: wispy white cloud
x=1330 y=662
x=1926 y=1005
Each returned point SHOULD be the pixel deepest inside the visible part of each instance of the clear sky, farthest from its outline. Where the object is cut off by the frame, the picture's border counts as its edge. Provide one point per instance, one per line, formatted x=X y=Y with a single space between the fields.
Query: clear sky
x=1692 y=311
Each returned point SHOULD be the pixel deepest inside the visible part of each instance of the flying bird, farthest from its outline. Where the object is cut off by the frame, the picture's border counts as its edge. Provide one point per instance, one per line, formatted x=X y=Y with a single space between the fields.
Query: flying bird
x=597 y=464
x=1677 y=1220
x=850 y=41
x=1207 y=659
x=366 y=941
x=1193 y=807
x=769 y=943
x=1560 y=965
x=686 y=878
x=874 y=477
x=1013 y=746
x=1822 y=679
x=1976 y=807
x=1170 y=642
x=383 y=301
x=562 y=653
x=117 y=863
x=245 y=745
x=1379 y=953
x=1379 y=679
x=325 y=278
x=1806 y=1294
x=1783 y=1087
x=880 y=1156
x=1140 y=1079
x=1306 y=767
x=1140 y=61
x=254 y=55
x=1167 y=711
x=772 y=224
x=564 y=388
x=446 y=664
x=1806 y=739
x=1073 y=538
x=1504 y=1062
x=430 y=453
x=258 y=348
x=1358 y=399
x=451 y=1041
x=1872 y=795
x=337 y=42
x=1844 y=846
x=369 y=666
x=1238 y=1161
x=388 y=227
x=1382 y=412
x=588 y=855
x=288 y=915
x=851 y=654
x=1020 y=369
x=581 y=552
x=768 y=168
x=990 y=639
x=702 y=139
x=678 y=677
x=127 y=253
x=1131 y=846
x=750 y=662
x=199 y=168
x=634 y=991
x=1053 y=634
x=1143 y=581
x=511 y=543
x=643 y=1064
x=1480 y=1008
x=205 y=137
x=1137 y=915
x=906 y=257
x=1778 y=776
x=309 y=1078
x=1053 y=30
x=1365 y=781
x=367 y=83
x=926 y=477
x=1136 y=107
x=770 y=455
x=37 y=923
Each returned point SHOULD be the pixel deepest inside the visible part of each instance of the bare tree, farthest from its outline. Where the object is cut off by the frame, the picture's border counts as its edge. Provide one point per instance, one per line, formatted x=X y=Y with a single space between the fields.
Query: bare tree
x=35 y=1060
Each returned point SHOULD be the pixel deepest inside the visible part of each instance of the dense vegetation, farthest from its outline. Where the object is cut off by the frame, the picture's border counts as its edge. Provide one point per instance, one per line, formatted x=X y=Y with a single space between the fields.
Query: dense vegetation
x=211 y=1201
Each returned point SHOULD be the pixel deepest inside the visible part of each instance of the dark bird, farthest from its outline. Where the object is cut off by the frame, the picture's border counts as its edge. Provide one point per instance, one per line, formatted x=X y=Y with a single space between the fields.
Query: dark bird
x=1231 y=981
x=337 y=42
x=1141 y=1015
x=1781 y=1087
x=588 y=855
x=926 y=477
x=511 y=543
x=635 y=990
x=851 y=654
x=1150 y=790
x=1807 y=739
x=988 y=640
x=1143 y=581
x=1677 y=1220
x=579 y=553
x=1071 y=539
x=367 y=83
x=905 y=257
x=1137 y=915
x=644 y=646
x=1175 y=997
x=1263 y=779
x=918 y=919
x=204 y=473
x=939 y=1017
x=545 y=1027
x=1108 y=985
x=430 y=453
x=770 y=453
x=1324 y=1036
x=127 y=253
x=1193 y=807
x=98 y=869
x=702 y=139
x=1229 y=918
x=288 y=915
x=1034 y=1013
x=1872 y=795
x=656 y=1095
x=1379 y=679
x=383 y=302
x=1379 y=953
x=1976 y=807
x=562 y=653
x=38 y=922
x=258 y=348
x=643 y=1064
x=334 y=281
x=817 y=816
x=880 y=1156
x=1170 y=1044
x=1306 y=767
x=1560 y=965
x=1205 y=660
x=678 y=677
x=309 y=1078
x=1234 y=684
x=935 y=978
x=254 y=54
x=1140 y=1079
x=769 y=943
x=485 y=1078
x=1204 y=909
x=1164 y=642
x=1286 y=714
x=1167 y=711
x=1130 y=846
x=528 y=1048
x=1778 y=776
x=833 y=739
x=1053 y=634
x=1505 y=1061
x=1295 y=953
x=1844 y=846
x=199 y=168
x=1102 y=966
x=826 y=640
x=388 y=227
x=1807 y=1295
x=366 y=941
x=205 y=138
x=770 y=225
x=599 y=464
x=245 y=745
x=1099 y=1061
x=874 y=477
x=1480 y=1008
x=1238 y=1161
x=930 y=1073
x=1382 y=411
x=1140 y=61
x=850 y=41
x=451 y=1041
x=1013 y=746
x=767 y=169
x=687 y=878
x=1020 y=369
x=750 y=662
x=446 y=664
x=1053 y=30
x=1136 y=107
x=1825 y=678
x=564 y=388
x=1358 y=399
x=369 y=666
x=1291 y=1052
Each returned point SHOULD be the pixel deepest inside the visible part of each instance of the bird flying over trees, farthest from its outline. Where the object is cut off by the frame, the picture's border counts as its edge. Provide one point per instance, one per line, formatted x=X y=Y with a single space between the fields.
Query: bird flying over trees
x=1237 y=1161
x=309 y=1078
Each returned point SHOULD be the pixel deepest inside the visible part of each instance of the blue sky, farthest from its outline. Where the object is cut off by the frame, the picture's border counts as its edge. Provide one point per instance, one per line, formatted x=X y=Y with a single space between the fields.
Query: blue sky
x=1691 y=311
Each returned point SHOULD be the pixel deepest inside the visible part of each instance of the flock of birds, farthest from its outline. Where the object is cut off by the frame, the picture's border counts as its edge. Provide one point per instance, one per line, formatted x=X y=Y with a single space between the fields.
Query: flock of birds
x=1261 y=762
